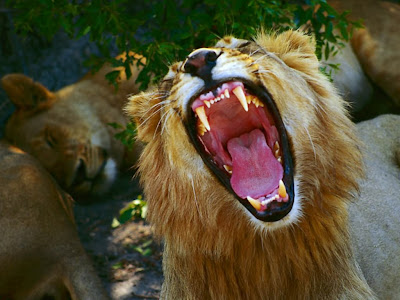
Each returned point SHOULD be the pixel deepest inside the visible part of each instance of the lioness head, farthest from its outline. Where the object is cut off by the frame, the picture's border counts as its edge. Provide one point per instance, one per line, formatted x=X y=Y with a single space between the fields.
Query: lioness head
x=246 y=129
x=67 y=131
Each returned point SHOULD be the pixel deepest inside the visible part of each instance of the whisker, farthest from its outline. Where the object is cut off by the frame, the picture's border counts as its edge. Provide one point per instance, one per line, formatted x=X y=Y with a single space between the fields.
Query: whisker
x=155 y=112
x=261 y=57
x=254 y=52
x=169 y=114
x=312 y=143
x=195 y=198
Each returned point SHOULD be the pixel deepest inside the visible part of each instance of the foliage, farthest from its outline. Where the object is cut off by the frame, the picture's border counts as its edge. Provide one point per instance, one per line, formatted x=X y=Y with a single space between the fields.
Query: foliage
x=126 y=135
x=144 y=248
x=166 y=31
x=135 y=209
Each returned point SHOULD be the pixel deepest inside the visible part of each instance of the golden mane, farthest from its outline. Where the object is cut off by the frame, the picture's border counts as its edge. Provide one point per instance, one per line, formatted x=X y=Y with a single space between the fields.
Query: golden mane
x=214 y=248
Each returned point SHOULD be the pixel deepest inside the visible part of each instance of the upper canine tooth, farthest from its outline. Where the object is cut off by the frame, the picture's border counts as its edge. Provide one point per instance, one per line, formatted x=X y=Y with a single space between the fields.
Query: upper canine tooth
x=282 y=189
x=238 y=91
x=227 y=93
x=207 y=103
x=200 y=111
x=255 y=203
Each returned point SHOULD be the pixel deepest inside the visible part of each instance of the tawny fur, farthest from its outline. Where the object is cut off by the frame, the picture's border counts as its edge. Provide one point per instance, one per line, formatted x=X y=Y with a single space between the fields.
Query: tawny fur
x=376 y=44
x=214 y=249
x=41 y=256
x=68 y=130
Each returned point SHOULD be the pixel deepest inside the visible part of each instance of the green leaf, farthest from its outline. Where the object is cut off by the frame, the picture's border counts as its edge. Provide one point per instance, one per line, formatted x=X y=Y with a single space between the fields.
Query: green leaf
x=118 y=265
x=115 y=223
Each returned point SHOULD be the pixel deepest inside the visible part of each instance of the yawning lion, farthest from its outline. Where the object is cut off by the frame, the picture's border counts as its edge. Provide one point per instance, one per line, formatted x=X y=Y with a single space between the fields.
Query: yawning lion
x=249 y=166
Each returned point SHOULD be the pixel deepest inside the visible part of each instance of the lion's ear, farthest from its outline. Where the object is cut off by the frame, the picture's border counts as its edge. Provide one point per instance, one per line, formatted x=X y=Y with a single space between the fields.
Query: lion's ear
x=25 y=93
x=143 y=109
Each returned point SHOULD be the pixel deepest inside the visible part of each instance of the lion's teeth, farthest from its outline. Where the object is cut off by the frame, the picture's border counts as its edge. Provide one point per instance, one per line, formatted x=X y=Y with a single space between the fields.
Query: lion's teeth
x=282 y=189
x=228 y=169
x=255 y=203
x=227 y=93
x=276 y=146
x=277 y=150
x=238 y=91
x=257 y=102
x=200 y=111
x=201 y=130
x=207 y=103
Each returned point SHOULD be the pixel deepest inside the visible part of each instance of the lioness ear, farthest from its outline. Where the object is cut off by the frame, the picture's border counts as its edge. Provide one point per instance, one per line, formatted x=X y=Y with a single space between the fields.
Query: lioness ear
x=25 y=93
x=143 y=109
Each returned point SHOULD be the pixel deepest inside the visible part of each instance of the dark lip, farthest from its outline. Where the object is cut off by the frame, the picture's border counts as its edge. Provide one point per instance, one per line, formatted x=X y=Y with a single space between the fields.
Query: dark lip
x=272 y=215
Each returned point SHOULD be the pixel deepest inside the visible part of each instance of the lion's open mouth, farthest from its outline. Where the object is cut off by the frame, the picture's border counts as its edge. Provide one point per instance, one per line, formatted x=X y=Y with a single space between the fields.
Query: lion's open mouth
x=239 y=134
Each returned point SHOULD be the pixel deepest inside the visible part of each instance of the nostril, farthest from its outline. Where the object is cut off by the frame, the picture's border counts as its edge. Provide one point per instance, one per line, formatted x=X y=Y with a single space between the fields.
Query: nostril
x=211 y=56
x=200 y=63
x=189 y=67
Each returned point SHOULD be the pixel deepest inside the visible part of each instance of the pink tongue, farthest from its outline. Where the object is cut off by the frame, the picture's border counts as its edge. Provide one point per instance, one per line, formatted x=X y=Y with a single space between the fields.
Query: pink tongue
x=255 y=170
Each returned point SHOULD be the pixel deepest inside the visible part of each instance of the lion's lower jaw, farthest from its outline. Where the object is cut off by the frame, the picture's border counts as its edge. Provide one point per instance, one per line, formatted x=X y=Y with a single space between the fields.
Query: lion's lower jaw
x=289 y=220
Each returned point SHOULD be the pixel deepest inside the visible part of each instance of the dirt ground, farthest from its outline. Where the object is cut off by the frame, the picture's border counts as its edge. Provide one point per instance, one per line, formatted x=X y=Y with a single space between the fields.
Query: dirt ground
x=127 y=258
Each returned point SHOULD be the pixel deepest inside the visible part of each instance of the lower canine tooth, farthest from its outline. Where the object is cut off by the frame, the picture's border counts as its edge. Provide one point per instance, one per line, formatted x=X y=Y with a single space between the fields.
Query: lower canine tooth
x=238 y=91
x=282 y=189
x=228 y=169
x=200 y=111
x=256 y=204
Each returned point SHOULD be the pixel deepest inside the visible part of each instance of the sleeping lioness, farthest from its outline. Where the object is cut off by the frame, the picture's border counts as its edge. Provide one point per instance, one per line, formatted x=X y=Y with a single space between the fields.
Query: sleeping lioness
x=68 y=131
x=249 y=166
x=41 y=256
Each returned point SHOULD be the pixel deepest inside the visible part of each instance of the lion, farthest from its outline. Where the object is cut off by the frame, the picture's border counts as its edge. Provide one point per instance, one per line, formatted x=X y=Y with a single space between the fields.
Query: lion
x=41 y=256
x=69 y=131
x=249 y=165
x=375 y=46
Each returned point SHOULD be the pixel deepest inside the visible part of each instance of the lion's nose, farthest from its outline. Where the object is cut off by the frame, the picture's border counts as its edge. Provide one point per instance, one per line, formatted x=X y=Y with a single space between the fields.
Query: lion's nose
x=200 y=63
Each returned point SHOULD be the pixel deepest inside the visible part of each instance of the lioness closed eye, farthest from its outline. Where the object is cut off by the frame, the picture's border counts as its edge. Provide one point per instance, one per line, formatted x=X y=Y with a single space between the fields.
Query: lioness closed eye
x=248 y=169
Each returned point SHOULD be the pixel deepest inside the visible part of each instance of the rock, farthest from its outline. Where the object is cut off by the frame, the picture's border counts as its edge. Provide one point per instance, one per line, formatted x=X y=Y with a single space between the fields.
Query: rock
x=350 y=80
x=375 y=218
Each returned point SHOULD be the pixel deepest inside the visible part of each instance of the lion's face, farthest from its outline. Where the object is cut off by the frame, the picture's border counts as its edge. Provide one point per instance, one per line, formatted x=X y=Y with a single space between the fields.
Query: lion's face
x=67 y=132
x=252 y=115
